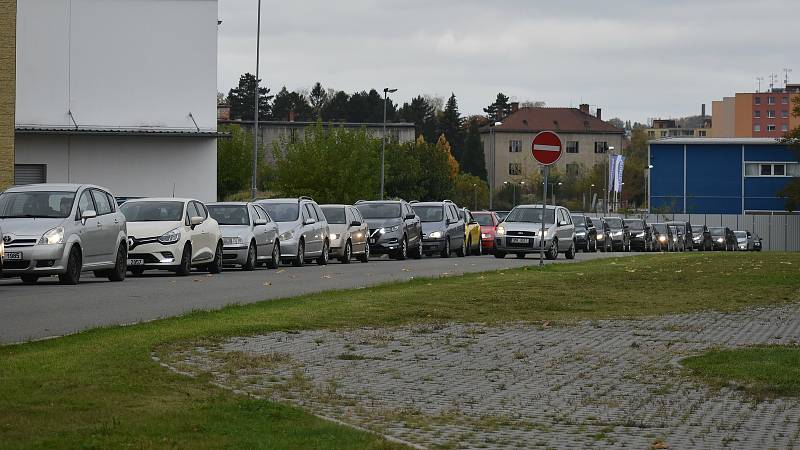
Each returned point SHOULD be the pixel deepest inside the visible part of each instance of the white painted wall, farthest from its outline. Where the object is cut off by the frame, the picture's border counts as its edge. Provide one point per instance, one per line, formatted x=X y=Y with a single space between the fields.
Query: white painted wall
x=141 y=166
x=117 y=63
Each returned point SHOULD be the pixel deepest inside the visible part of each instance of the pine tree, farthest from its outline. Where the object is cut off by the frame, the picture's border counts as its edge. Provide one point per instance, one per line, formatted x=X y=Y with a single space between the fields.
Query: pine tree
x=473 y=160
x=242 y=99
x=318 y=99
x=421 y=113
x=498 y=110
x=450 y=127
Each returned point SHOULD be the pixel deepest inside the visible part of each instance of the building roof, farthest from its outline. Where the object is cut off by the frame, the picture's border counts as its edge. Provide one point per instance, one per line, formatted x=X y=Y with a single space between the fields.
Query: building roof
x=708 y=140
x=120 y=131
x=567 y=120
x=287 y=123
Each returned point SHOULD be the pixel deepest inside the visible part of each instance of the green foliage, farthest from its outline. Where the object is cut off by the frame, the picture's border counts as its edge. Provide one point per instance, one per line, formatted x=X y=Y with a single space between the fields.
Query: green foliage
x=235 y=162
x=420 y=170
x=422 y=114
x=473 y=160
x=450 y=127
x=791 y=192
x=330 y=164
x=242 y=99
x=470 y=192
x=635 y=188
x=291 y=106
x=499 y=109
x=792 y=138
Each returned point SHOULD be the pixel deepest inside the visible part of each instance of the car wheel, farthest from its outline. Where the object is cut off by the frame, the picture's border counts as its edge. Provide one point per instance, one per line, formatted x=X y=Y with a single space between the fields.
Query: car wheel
x=603 y=247
x=365 y=256
x=480 y=248
x=323 y=258
x=216 y=265
x=520 y=255
x=348 y=253
x=571 y=252
x=416 y=252
x=74 y=263
x=29 y=279
x=250 y=263
x=121 y=266
x=186 y=261
x=300 y=259
x=552 y=252
x=276 y=256
x=462 y=251
x=499 y=254
x=402 y=253
x=446 y=251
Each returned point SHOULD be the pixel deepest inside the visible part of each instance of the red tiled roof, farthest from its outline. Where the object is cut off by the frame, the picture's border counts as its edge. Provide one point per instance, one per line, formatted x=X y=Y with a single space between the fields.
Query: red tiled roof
x=556 y=119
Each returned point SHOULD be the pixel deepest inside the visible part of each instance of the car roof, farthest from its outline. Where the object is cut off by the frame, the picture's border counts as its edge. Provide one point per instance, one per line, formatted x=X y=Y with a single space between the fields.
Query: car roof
x=284 y=200
x=162 y=199
x=537 y=206
x=432 y=203
x=378 y=201
x=66 y=187
x=228 y=204
x=333 y=205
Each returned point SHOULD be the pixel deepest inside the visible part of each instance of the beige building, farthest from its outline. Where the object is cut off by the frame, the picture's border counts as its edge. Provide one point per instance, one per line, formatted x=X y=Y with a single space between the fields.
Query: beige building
x=8 y=31
x=586 y=139
x=668 y=128
x=723 y=114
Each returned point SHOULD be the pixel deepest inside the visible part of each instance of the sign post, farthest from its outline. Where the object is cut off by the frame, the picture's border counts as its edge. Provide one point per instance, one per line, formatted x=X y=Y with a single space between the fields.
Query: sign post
x=546 y=150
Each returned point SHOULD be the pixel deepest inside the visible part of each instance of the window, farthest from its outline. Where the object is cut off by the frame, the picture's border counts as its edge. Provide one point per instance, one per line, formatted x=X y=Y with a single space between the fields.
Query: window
x=784 y=100
x=602 y=146
x=29 y=174
x=757 y=114
x=514 y=146
x=201 y=209
x=770 y=100
x=772 y=169
x=262 y=213
x=651 y=133
x=101 y=200
x=663 y=134
x=192 y=211
x=572 y=146
x=85 y=204
x=515 y=169
x=310 y=211
x=778 y=170
x=757 y=100
x=766 y=170
x=756 y=128
x=701 y=133
x=771 y=127
x=573 y=169
x=784 y=127
x=771 y=113
x=785 y=113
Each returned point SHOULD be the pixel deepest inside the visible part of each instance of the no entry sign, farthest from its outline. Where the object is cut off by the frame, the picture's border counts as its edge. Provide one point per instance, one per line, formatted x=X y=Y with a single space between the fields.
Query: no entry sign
x=547 y=148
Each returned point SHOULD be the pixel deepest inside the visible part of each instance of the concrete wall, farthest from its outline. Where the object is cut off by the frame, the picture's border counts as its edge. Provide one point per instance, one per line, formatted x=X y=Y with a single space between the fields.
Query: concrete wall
x=116 y=63
x=723 y=117
x=8 y=17
x=141 y=166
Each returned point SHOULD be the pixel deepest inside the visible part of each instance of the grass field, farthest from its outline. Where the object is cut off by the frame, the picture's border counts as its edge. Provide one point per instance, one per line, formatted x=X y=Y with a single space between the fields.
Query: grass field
x=101 y=388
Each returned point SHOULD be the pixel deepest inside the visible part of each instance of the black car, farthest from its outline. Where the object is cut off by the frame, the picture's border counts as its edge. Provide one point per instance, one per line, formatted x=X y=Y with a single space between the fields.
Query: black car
x=585 y=233
x=603 y=234
x=394 y=228
x=640 y=235
x=663 y=238
x=442 y=228
x=722 y=238
x=620 y=235
x=757 y=243
x=701 y=238
x=685 y=229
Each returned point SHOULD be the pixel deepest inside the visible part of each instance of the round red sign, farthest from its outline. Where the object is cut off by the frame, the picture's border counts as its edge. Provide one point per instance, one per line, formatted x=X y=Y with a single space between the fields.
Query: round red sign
x=547 y=148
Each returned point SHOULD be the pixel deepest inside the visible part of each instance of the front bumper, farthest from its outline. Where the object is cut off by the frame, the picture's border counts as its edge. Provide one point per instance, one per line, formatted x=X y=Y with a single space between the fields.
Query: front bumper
x=380 y=244
x=235 y=255
x=156 y=255
x=504 y=244
x=433 y=245
x=43 y=260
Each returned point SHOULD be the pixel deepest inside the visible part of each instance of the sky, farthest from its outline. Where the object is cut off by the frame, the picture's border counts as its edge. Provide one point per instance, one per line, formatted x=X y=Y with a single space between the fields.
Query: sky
x=634 y=59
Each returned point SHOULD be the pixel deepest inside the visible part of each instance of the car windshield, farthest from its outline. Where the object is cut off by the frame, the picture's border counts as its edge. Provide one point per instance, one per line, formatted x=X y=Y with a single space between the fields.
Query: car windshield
x=155 y=211
x=579 y=220
x=635 y=224
x=429 y=213
x=334 y=214
x=282 y=212
x=740 y=234
x=614 y=222
x=660 y=228
x=533 y=215
x=229 y=214
x=379 y=210
x=697 y=229
x=36 y=204
x=485 y=220
x=717 y=231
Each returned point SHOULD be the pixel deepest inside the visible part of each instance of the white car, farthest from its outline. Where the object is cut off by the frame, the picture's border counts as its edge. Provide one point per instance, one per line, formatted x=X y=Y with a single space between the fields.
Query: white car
x=249 y=235
x=171 y=234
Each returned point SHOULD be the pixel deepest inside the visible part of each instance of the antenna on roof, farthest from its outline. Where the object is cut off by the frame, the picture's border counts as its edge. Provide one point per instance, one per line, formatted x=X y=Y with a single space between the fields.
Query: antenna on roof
x=773 y=77
x=759 y=80
x=173 y=189
x=786 y=72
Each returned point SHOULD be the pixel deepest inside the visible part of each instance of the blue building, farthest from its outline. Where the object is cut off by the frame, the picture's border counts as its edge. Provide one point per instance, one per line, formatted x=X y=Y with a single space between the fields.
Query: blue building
x=719 y=175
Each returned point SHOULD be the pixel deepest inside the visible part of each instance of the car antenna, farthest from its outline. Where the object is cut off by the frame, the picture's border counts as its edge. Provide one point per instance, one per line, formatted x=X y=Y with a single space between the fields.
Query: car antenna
x=173 y=189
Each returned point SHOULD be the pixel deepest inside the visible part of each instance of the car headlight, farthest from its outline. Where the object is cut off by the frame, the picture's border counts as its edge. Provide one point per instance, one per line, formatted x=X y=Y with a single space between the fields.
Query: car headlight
x=720 y=240
x=641 y=235
x=435 y=235
x=334 y=236
x=287 y=235
x=662 y=239
x=235 y=240
x=617 y=233
x=2 y=249
x=385 y=230
x=170 y=237
x=54 y=236
x=580 y=234
x=600 y=237
x=501 y=230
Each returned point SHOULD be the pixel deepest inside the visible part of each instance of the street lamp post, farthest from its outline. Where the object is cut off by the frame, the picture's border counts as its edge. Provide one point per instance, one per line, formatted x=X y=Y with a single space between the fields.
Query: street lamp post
x=591 y=194
x=647 y=181
x=386 y=92
x=254 y=181
x=607 y=182
x=492 y=174
x=553 y=189
x=474 y=196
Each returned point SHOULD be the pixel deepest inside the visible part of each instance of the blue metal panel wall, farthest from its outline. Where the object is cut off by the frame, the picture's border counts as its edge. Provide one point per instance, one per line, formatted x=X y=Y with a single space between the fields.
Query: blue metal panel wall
x=768 y=153
x=761 y=193
x=714 y=179
x=666 y=177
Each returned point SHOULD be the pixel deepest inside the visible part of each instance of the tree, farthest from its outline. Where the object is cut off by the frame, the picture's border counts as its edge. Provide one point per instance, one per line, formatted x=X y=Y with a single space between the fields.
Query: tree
x=235 y=162
x=290 y=106
x=422 y=114
x=450 y=127
x=791 y=192
x=470 y=192
x=318 y=98
x=330 y=164
x=335 y=110
x=473 y=160
x=419 y=170
x=443 y=146
x=498 y=110
x=242 y=99
x=617 y=122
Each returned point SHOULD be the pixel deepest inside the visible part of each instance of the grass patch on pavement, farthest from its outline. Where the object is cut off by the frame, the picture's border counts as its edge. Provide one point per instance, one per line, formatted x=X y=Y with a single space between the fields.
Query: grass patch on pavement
x=101 y=389
x=763 y=372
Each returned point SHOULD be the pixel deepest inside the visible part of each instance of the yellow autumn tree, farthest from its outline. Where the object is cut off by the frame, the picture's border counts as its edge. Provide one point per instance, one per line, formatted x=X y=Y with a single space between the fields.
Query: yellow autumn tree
x=444 y=146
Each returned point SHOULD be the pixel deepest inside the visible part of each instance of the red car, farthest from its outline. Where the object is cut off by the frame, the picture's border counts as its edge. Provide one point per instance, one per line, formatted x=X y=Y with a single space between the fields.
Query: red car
x=488 y=221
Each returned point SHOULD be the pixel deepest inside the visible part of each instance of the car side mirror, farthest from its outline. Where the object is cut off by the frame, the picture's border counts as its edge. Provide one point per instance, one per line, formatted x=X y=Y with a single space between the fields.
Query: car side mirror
x=195 y=221
x=473 y=222
x=410 y=216
x=310 y=221
x=561 y=223
x=259 y=222
x=355 y=223
x=88 y=214
x=447 y=221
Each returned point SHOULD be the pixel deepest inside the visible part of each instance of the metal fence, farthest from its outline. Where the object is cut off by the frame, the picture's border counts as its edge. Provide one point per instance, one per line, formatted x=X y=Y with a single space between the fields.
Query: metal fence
x=779 y=232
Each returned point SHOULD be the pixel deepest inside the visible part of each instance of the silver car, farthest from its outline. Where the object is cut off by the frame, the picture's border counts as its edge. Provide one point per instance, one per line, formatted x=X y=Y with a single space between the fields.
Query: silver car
x=349 y=233
x=304 y=232
x=744 y=240
x=63 y=229
x=520 y=232
x=2 y=252
x=249 y=235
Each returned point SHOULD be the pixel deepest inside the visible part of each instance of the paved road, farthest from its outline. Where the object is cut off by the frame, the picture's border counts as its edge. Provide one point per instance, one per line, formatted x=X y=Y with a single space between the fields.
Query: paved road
x=49 y=309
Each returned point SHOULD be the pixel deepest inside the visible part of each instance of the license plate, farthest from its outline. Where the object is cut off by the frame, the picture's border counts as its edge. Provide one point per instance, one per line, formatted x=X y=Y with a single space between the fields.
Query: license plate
x=519 y=241
x=372 y=241
x=14 y=256
x=135 y=262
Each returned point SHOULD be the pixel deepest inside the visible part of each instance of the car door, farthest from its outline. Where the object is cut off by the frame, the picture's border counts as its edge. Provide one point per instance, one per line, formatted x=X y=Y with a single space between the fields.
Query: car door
x=311 y=231
x=89 y=231
x=361 y=234
x=563 y=229
x=413 y=226
x=199 y=235
x=108 y=227
x=265 y=234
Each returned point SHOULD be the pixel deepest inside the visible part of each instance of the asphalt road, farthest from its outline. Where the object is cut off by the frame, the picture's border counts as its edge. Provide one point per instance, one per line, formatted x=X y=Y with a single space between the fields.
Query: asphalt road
x=49 y=309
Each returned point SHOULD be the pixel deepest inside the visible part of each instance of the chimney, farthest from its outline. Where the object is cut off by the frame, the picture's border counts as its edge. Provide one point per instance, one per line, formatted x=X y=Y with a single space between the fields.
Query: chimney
x=703 y=110
x=514 y=107
x=584 y=107
x=599 y=114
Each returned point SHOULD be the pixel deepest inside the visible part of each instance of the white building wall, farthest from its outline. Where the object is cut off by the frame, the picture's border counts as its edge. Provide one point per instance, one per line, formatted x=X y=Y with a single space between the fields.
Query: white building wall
x=139 y=166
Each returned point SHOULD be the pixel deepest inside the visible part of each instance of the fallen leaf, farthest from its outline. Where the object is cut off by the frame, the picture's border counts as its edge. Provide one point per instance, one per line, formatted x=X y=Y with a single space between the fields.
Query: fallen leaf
x=268 y=283
x=406 y=269
x=326 y=276
x=280 y=271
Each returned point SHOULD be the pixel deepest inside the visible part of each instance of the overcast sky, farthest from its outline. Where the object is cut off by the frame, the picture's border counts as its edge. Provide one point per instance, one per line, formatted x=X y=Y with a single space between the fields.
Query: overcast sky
x=635 y=59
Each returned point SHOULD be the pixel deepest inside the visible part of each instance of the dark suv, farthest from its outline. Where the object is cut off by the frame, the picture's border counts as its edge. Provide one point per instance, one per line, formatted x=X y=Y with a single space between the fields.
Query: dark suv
x=641 y=238
x=685 y=229
x=394 y=228
x=662 y=236
x=442 y=228
x=722 y=238
x=585 y=233
x=602 y=234
x=620 y=235
x=701 y=238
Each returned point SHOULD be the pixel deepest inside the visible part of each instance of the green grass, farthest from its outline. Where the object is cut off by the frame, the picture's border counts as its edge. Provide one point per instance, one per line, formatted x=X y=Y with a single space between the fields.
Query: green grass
x=762 y=372
x=101 y=389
